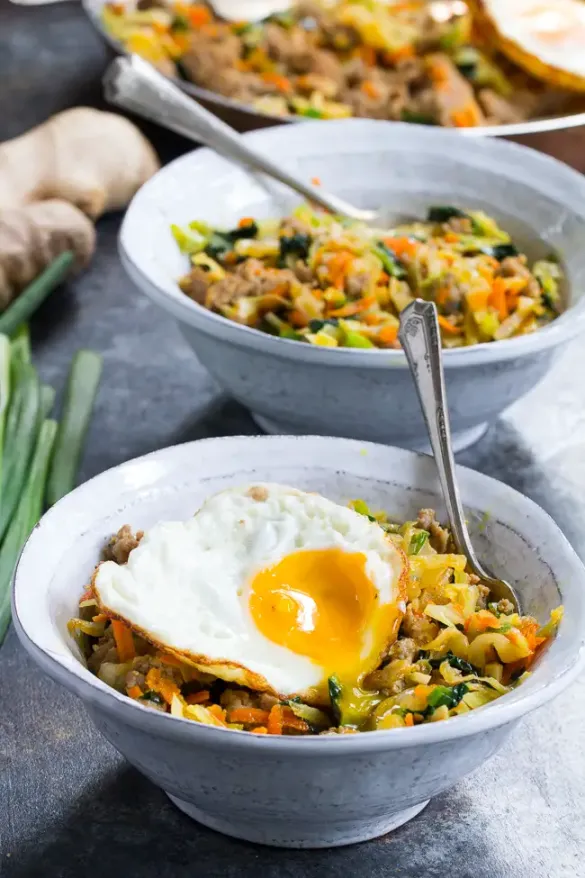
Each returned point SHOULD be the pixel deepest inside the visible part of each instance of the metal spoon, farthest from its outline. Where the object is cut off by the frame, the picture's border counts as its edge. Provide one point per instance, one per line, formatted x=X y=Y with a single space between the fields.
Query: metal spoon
x=421 y=341
x=134 y=84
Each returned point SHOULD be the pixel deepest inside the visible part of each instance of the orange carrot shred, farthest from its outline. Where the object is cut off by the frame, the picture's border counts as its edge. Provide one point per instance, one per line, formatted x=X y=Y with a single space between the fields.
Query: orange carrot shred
x=409 y=719
x=246 y=221
x=448 y=327
x=354 y=307
x=134 y=691
x=388 y=335
x=124 y=641
x=260 y=730
x=217 y=711
x=370 y=89
x=498 y=297
x=198 y=15
x=274 y=726
x=316 y=181
x=198 y=697
x=248 y=715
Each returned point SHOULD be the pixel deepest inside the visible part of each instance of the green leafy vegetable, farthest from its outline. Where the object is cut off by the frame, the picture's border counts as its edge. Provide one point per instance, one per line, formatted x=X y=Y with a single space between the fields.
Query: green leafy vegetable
x=335 y=694
x=417 y=541
x=443 y=213
x=450 y=696
x=294 y=245
x=454 y=660
x=389 y=260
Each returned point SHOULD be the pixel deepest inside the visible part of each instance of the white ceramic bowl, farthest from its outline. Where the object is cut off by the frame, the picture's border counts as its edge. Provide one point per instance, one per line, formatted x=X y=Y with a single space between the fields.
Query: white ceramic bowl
x=291 y=387
x=295 y=792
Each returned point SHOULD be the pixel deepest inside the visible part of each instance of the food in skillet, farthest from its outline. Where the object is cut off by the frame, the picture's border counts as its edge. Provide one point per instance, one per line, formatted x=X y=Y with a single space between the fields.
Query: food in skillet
x=409 y=61
x=277 y=611
x=317 y=278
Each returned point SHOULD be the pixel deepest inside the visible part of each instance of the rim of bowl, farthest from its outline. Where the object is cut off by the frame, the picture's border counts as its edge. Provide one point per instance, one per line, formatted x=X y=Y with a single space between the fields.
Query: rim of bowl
x=77 y=678
x=568 y=325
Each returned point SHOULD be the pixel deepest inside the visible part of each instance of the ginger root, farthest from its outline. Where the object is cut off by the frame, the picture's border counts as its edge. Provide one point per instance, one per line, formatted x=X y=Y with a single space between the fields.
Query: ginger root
x=32 y=236
x=94 y=160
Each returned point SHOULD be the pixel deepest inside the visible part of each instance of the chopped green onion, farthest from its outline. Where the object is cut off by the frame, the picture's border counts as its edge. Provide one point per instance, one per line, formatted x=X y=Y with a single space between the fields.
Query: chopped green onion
x=26 y=516
x=82 y=385
x=417 y=541
x=32 y=297
x=22 y=427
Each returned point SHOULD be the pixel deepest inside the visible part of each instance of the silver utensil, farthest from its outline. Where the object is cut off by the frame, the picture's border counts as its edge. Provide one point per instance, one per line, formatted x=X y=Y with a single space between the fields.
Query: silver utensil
x=134 y=84
x=421 y=341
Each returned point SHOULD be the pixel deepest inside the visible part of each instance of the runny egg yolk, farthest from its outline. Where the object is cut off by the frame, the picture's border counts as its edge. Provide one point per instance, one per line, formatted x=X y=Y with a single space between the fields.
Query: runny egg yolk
x=321 y=604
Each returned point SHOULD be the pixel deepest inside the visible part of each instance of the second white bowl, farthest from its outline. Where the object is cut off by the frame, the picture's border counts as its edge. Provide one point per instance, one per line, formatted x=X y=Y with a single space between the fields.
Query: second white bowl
x=298 y=388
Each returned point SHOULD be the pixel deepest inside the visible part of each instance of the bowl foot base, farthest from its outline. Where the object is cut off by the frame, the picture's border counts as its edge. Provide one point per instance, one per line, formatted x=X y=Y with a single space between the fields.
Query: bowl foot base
x=281 y=834
x=461 y=440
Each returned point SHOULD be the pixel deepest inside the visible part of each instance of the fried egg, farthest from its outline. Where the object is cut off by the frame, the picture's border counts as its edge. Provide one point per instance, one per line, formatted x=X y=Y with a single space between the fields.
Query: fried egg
x=545 y=38
x=266 y=586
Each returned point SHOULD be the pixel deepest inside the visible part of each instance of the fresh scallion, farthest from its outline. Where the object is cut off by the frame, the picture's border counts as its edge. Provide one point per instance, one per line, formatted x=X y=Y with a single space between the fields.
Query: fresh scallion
x=82 y=385
x=22 y=428
x=35 y=294
x=26 y=516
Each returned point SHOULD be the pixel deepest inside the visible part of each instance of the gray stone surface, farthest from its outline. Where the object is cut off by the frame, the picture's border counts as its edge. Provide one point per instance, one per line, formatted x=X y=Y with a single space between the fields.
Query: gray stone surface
x=69 y=805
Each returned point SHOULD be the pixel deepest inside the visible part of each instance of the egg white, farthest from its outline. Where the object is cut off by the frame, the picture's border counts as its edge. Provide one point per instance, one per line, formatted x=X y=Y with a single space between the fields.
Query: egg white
x=186 y=585
x=528 y=25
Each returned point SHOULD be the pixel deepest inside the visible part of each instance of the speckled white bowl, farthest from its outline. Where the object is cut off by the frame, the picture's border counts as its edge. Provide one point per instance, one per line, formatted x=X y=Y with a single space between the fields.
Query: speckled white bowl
x=295 y=792
x=297 y=388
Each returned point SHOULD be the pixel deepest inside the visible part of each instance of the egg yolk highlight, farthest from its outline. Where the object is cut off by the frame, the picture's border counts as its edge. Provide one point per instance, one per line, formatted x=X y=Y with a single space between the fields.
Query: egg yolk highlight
x=321 y=604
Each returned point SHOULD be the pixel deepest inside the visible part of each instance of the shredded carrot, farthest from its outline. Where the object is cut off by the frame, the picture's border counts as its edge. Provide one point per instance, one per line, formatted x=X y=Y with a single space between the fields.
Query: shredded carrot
x=468 y=116
x=528 y=628
x=198 y=15
x=409 y=719
x=373 y=319
x=298 y=318
x=498 y=297
x=448 y=327
x=478 y=301
x=198 y=697
x=165 y=686
x=368 y=55
x=451 y=237
x=442 y=296
x=159 y=27
x=338 y=267
x=316 y=181
x=274 y=726
x=246 y=221
x=260 y=730
x=282 y=83
x=354 y=307
x=124 y=641
x=370 y=89
x=217 y=711
x=402 y=246
x=481 y=620
x=290 y=721
x=388 y=335
x=422 y=691
x=134 y=691
x=248 y=715
x=438 y=71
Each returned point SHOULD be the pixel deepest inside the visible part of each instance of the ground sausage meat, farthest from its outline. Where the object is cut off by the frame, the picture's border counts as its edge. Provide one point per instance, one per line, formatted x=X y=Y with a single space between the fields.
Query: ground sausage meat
x=120 y=546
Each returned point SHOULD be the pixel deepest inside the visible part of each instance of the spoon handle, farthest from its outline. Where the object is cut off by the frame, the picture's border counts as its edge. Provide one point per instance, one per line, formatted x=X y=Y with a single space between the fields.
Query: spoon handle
x=421 y=340
x=132 y=83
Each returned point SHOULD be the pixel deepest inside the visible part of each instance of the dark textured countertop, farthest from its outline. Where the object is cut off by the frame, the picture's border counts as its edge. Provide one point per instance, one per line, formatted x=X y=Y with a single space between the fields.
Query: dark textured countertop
x=69 y=805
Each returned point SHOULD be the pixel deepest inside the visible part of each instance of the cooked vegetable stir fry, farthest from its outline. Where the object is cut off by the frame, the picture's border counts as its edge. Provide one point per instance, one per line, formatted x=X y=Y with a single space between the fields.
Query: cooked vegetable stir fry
x=456 y=650
x=317 y=278
x=329 y=60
